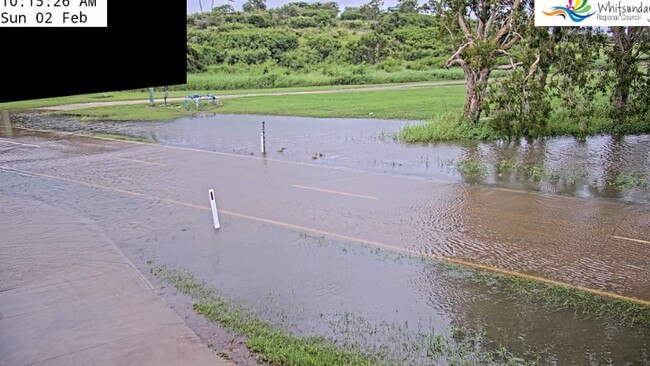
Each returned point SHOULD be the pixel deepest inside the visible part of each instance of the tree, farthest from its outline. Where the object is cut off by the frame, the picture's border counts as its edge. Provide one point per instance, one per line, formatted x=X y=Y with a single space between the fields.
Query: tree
x=483 y=33
x=629 y=81
x=407 y=6
x=253 y=5
x=372 y=10
x=224 y=9
x=557 y=63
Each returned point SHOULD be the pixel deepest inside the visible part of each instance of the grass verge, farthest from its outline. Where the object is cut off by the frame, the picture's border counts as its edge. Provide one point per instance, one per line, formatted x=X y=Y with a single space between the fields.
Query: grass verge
x=554 y=297
x=124 y=137
x=138 y=112
x=279 y=347
x=419 y=103
x=180 y=92
x=270 y=344
x=446 y=127
x=409 y=104
x=449 y=127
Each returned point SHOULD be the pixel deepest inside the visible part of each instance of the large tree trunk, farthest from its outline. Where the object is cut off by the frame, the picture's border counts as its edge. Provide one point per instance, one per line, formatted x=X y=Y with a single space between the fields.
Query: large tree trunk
x=476 y=84
x=621 y=92
x=625 y=68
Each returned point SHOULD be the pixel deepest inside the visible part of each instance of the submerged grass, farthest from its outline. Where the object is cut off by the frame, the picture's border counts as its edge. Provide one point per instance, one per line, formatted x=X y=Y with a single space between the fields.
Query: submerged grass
x=270 y=344
x=451 y=127
x=629 y=180
x=279 y=347
x=124 y=137
x=471 y=168
x=556 y=297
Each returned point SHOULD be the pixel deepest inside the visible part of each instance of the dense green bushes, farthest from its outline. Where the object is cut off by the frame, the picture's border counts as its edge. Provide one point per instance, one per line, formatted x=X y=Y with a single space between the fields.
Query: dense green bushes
x=309 y=38
x=227 y=77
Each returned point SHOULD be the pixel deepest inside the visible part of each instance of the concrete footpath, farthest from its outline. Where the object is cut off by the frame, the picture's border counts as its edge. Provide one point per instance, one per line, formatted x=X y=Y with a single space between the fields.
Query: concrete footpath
x=69 y=297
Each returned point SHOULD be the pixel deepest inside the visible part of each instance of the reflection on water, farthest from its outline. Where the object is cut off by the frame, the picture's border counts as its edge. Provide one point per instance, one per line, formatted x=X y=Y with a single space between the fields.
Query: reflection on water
x=560 y=165
x=564 y=238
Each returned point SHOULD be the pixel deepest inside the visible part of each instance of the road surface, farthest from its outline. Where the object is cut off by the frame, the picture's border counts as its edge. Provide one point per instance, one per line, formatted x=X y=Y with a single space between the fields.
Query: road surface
x=595 y=245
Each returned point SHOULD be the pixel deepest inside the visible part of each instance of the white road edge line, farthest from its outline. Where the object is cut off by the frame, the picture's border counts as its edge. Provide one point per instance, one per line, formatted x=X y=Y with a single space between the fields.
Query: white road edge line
x=335 y=192
x=139 y=161
x=18 y=143
x=630 y=239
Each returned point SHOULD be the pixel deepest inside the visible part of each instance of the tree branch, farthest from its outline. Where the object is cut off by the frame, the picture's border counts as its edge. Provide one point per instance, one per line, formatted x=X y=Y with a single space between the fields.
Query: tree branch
x=516 y=37
x=533 y=68
x=508 y=67
x=463 y=26
x=456 y=55
x=454 y=62
x=488 y=24
x=507 y=25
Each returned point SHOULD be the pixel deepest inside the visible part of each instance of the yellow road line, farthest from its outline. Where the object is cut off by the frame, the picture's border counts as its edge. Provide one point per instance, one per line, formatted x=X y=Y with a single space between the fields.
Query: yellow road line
x=139 y=161
x=509 y=190
x=365 y=242
x=630 y=239
x=335 y=192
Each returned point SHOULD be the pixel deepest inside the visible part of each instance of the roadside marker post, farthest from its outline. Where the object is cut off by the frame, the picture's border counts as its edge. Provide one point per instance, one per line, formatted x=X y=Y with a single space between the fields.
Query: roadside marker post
x=263 y=140
x=213 y=206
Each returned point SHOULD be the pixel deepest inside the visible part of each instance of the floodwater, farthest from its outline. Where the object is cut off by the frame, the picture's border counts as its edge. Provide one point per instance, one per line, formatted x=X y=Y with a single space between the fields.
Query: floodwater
x=584 y=169
x=328 y=264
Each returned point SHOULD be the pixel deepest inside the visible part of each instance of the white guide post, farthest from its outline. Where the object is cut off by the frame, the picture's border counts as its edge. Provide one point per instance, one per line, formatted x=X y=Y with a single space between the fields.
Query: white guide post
x=263 y=140
x=213 y=206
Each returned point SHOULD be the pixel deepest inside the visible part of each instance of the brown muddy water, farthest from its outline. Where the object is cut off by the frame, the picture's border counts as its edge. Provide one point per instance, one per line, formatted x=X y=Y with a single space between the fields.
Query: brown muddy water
x=151 y=202
x=556 y=165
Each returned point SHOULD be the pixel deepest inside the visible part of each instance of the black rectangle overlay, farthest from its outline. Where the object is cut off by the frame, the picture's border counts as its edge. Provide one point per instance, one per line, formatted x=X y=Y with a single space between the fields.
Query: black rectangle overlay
x=144 y=45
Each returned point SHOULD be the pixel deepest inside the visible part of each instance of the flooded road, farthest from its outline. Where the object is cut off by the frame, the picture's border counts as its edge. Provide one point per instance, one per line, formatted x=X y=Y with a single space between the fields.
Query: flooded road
x=323 y=249
x=556 y=165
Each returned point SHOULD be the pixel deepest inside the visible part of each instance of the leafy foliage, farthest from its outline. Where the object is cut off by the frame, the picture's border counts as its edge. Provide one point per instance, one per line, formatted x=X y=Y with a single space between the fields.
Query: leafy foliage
x=564 y=74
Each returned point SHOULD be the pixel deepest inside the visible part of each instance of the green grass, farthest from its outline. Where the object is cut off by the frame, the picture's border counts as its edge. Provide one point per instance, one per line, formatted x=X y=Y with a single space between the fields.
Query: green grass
x=197 y=84
x=447 y=127
x=84 y=98
x=269 y=343
x=138 y=112
x=410 y=104
x=123 y=137
x=285 y=78
x=417 y=103
x=472 y=168
x=629 y=180
x=450 y=127
x=279 y=347
x=558 y=297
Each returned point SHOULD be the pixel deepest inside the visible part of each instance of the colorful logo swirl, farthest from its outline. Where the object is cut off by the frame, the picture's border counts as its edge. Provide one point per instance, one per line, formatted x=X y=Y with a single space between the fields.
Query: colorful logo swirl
x=577 y=12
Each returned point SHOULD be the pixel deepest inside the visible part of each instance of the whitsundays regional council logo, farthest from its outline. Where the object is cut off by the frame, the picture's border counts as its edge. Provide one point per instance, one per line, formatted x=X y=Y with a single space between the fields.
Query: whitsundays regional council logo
x=576 y=10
